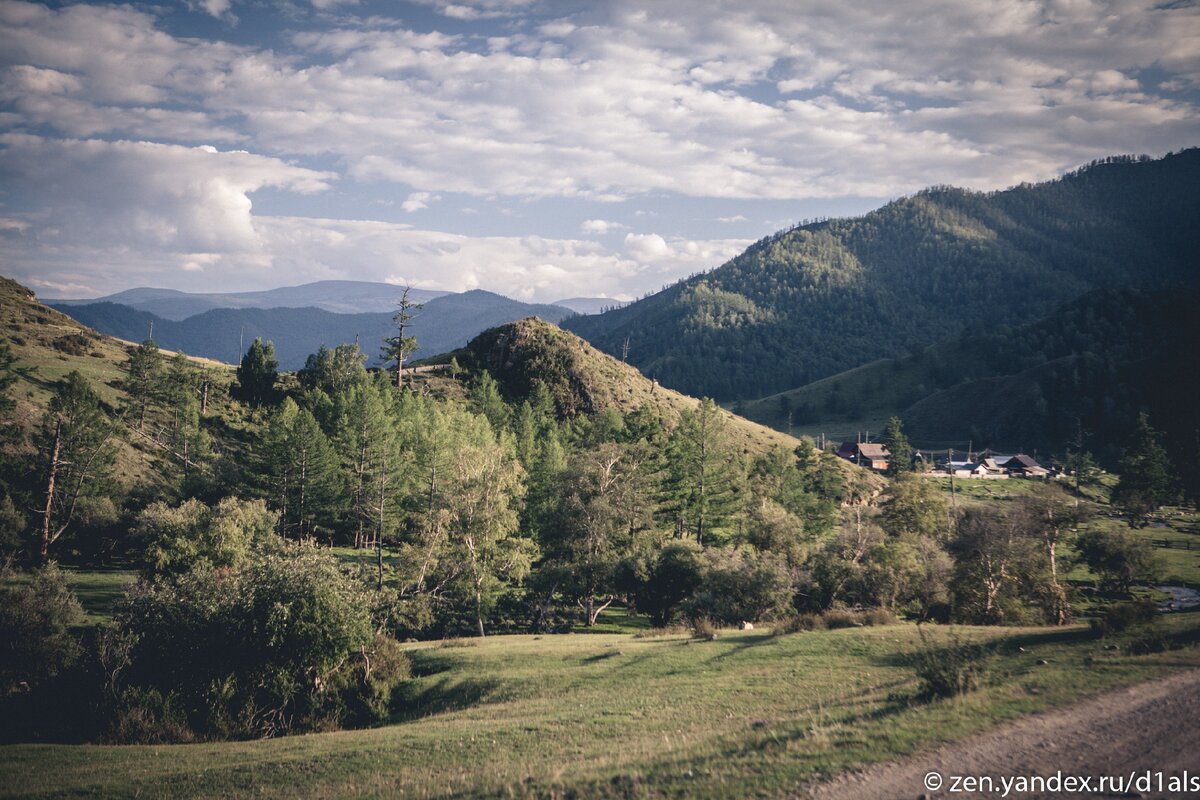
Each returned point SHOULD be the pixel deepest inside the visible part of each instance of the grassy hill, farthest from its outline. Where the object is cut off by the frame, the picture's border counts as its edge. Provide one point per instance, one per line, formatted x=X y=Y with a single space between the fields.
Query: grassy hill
x=54 y=345
x=829 y=296
x=619 y=716
x=583 y=380
x=445 y=323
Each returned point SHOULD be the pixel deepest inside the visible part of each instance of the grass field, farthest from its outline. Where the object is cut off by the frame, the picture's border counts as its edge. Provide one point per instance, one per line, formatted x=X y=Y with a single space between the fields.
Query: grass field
x=618 y=715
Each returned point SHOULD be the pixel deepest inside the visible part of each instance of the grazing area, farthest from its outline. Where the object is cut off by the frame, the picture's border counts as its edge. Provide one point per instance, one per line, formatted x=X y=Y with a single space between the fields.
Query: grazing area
x=624 y=715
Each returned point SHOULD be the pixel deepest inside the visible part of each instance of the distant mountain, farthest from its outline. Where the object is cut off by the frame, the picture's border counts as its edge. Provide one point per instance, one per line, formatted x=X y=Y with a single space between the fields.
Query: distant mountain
x=829 y=296
x=445 y=323
x=590 y=305
x=340 y=297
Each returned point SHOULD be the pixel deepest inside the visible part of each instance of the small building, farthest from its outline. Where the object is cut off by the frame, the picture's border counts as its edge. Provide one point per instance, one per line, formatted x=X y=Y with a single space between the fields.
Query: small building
x=1025 y=466
x=866 y=454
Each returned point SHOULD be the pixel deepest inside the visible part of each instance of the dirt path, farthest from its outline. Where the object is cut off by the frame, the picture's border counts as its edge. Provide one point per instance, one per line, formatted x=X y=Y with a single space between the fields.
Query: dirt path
x=1151 y=726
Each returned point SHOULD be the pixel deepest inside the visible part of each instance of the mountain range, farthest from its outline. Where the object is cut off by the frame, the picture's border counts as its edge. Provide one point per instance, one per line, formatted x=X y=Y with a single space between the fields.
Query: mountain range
x=446 y=322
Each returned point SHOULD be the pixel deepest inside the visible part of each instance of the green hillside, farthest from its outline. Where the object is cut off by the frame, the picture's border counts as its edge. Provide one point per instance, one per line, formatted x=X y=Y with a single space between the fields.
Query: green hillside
x=829 y=296
x=1090 y=366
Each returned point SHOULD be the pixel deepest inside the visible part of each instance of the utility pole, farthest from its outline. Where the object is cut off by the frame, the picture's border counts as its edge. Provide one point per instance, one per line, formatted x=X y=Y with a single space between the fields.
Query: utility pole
x=625 y=351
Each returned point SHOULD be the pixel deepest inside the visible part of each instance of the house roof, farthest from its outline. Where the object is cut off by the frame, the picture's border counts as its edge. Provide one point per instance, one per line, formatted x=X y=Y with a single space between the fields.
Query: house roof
x=1023 y=461
x=872 y=450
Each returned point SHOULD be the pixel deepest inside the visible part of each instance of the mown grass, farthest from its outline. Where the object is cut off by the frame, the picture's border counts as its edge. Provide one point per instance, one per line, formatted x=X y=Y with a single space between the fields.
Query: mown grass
x=613 y=715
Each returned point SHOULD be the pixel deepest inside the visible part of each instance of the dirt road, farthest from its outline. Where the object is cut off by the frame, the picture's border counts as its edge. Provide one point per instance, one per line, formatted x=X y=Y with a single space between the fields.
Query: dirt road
x=1152 y=726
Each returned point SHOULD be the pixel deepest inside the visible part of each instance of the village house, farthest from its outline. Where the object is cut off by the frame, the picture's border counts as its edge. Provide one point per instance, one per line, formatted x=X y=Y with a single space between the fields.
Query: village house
x=866 y=454
x=1025 y=466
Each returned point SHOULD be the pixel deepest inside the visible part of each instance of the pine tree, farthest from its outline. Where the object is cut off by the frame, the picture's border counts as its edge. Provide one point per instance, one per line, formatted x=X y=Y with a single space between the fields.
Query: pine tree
x=299 y=469
x=703 y=488
x=257 y=374
x=399 y=347
x=897 y=444
x=1146 y=480
x=75 y=441
x=143 y=383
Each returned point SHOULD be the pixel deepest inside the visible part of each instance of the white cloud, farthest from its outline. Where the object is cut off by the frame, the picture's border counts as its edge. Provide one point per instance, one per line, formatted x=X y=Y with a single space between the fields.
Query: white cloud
x=140 y=194
x=734 y=218
x=417 y=201
x=600 y=226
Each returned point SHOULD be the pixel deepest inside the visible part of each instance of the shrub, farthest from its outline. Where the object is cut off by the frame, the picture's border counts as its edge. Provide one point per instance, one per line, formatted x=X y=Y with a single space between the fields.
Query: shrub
x=192 y=534
x=878 y=616
x=259 y=650
x=1122 y=616
x=1117 y=557
x=796 y=623
x=741 y=587
x=702 y=628
x=36 y=616
x=836 y=618
x=952 y=670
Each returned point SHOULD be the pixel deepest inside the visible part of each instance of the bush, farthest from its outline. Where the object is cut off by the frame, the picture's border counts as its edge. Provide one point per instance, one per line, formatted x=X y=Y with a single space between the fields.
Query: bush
x=192 y=535
x=835 y=619
x=36 y=616
x=1122 y=616
x=260 y=650
x=741 y=587
x=952 y=670
x=702 y=628
x=796 y=623
x=1119 y=558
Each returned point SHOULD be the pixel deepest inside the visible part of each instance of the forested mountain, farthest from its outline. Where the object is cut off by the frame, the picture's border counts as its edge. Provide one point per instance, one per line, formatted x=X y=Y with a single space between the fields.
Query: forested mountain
x=445 y=323
x=829 y=296
x=1081 y=375
x=340 y=297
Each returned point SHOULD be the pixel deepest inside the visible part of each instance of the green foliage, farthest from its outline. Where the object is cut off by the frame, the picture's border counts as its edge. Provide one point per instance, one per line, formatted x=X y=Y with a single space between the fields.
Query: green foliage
x=298 y=470
x=144 y=382
x=829 y=296
x=402 y=344
x=1146 y=480
x=952 y=669
x=332 y=371
x=661 y=582
x=257 y=374
x=916 y=507
x=704 y=489
x=74 y=441
x=1120 y=617
x=1118 y=557
x=36 y=615
x=741 y=587
x=194 y=535
x=898 y=445
x=248 y=651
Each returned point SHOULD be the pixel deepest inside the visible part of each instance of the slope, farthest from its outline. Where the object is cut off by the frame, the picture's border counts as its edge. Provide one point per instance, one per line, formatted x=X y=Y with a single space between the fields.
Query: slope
x=1089 y=366
x=53 y=344
x=445 y=323
x=583 y=380
x=829 y=296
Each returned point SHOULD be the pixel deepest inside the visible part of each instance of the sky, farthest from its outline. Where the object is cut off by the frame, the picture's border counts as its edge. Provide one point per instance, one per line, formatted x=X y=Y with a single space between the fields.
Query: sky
x=543 y=149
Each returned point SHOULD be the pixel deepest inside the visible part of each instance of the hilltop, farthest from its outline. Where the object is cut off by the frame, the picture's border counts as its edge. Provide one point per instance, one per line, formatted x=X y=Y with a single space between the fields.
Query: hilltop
x=829 y=296
x=583 y=381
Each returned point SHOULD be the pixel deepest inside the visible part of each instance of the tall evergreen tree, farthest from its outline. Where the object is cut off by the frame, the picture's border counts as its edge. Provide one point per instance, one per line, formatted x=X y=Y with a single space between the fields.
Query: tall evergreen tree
x=75 y=442
x=399 y=347
x=703 y=489
x=257 y=374
x=897 y=444
x=300 y=472
x=143 y=382
x=1146 y=481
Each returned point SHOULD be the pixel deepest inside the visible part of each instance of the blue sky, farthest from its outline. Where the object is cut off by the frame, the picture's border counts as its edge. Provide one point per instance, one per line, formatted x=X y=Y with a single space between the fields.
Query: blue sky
x=539 y=149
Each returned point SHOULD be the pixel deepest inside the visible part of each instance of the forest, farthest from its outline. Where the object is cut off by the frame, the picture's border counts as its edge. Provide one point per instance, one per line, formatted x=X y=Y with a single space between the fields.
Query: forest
x=294 y=529
x=829 y=296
